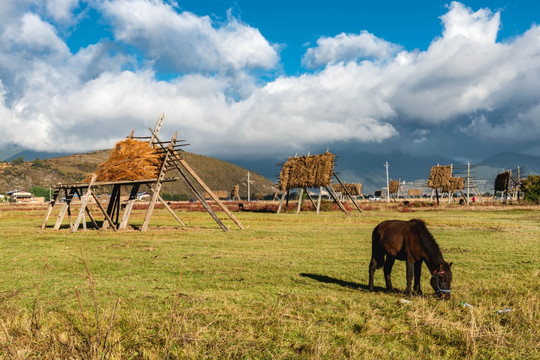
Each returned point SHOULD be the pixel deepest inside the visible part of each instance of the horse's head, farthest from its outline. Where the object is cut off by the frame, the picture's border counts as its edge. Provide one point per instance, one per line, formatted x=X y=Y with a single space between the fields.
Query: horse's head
x=441 y=280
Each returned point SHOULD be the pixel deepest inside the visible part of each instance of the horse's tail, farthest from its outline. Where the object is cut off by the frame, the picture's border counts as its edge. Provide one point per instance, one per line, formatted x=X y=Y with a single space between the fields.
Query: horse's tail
x=377 y=249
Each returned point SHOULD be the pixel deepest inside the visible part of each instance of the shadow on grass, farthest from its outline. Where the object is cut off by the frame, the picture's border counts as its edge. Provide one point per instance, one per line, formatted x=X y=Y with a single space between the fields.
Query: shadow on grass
x=348 y=284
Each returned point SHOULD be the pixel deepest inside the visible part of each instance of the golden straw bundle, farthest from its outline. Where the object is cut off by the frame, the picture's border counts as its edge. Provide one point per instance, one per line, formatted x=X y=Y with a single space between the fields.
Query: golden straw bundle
x=130 y=160
x=414 y=192
x=235 y=191
x=354 y=189
x=439 y=177
x=393 y=186
x=309 y=171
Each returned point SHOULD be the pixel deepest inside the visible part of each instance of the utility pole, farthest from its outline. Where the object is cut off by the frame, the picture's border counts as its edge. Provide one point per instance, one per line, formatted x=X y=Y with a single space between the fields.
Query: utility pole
x=468 y=180
x=387 y=184
x=249 y=189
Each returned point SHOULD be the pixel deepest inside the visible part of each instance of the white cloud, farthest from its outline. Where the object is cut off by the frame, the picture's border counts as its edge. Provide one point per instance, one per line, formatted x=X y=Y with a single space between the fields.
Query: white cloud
x=480 y=26
x=184 y=42
x=61 y=10
x=465 y=80
x=348 y=47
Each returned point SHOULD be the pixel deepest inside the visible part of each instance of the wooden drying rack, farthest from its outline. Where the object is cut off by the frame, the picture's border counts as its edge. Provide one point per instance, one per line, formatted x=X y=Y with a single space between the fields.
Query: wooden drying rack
x=171 y=161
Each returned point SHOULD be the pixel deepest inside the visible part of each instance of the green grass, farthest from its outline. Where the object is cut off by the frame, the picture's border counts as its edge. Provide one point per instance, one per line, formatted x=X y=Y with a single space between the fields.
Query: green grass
x=289 y=286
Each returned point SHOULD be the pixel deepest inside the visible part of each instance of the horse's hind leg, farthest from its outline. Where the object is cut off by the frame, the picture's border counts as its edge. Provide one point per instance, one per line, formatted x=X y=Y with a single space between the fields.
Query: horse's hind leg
x=388 y=271
x=410 y=271
x=372 y=268
x=417 y=273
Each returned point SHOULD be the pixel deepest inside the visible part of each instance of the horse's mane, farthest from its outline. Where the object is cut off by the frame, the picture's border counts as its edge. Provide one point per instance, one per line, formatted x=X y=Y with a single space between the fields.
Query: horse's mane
x=428 y=242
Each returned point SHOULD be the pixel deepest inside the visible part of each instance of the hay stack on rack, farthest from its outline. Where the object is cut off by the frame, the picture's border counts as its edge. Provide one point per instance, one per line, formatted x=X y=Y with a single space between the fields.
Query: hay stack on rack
x=354 y=189
x=309 y=171
x=414 y=192
x=130 y=160
x=235 y=191
x=454 y=184
x=502 y=181
x=393 y=186
x=439 y=177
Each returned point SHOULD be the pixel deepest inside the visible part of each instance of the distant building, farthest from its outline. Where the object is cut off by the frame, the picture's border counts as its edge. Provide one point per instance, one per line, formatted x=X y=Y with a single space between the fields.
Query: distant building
x=21 y=196
x=143 y=196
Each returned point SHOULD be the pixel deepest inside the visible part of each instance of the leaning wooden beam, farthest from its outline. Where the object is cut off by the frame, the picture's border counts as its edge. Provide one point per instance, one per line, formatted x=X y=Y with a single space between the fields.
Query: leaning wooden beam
x=107 y=217
x=89 y=214
x=170 y=210
x=157 y=185
x=348 y=193
x=84 y=202
x=129 y=206
x=334 y=196
x=310 y=198
x=157 y=128
x=177 y=161
x=52 y=202
x=202 y=200
x=210 y=192
x=65 y=207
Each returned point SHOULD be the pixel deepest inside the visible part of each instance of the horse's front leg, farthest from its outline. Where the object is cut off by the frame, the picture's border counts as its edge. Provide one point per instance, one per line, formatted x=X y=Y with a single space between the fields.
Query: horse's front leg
x=410 y=272
x=417 y=273
x=388 y=271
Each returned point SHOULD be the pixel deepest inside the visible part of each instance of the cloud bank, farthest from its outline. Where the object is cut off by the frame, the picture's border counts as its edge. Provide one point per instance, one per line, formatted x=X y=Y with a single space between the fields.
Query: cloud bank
x=221 y=87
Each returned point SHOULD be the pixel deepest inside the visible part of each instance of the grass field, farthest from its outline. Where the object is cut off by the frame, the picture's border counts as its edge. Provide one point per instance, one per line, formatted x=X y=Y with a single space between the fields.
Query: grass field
x=290 y=286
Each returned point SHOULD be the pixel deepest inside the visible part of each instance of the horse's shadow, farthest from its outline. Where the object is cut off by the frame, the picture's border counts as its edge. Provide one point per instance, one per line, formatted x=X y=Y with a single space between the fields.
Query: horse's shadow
x=348 y=284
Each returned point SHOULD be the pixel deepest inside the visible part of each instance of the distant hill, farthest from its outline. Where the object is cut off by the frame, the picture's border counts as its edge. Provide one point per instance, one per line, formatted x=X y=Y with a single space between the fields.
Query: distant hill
x=217 y=174
x=30 y=155
x=510 y=161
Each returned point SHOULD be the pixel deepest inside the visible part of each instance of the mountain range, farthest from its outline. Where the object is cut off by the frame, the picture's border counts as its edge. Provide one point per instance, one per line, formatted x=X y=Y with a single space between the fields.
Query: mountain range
x=355 y=166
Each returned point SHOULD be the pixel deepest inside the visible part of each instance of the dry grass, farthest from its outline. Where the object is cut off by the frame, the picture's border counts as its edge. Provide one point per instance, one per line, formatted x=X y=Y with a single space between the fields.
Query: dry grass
x=289 y=287
x=130 y=160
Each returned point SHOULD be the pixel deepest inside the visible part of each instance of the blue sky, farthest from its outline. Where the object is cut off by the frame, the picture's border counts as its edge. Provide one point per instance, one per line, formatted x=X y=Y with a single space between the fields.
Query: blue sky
x=273 y=78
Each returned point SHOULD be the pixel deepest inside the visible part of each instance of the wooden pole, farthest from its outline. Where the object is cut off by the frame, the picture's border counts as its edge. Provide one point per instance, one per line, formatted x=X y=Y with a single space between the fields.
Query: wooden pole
x=84 y=201
x=347 y=192
x=334 y=196
x=177 y=161
x=87 y=211
x=210 y=192
x=310 y=198
x=319 y=200
x=281 y=202
x=69 y=194
x=52 y=202
x=157 y=185
x=107 y=217
x=300 y=196
x=129 y=206
x=170 y=210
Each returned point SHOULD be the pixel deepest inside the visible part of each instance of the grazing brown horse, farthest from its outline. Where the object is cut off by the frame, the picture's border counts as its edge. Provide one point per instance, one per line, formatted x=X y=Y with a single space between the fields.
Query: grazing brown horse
x=410 y=241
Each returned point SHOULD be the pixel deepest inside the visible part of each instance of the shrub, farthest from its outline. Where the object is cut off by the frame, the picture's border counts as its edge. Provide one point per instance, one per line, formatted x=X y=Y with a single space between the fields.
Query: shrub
x=531 y=188
x=18 y=160
x=38 y=163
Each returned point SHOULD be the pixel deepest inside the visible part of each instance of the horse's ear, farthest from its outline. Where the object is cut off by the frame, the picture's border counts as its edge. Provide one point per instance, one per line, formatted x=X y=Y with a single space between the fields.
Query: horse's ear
x=450 y=265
